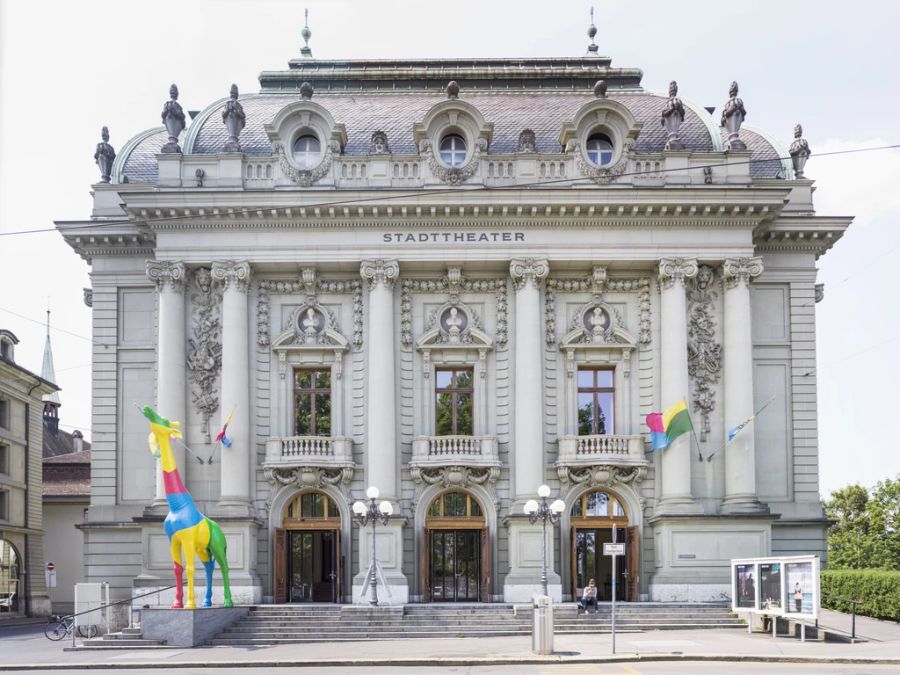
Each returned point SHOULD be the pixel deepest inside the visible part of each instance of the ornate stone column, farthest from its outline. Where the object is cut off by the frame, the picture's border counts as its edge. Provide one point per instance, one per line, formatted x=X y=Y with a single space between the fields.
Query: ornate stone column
x=740 y=456
x=528 y=411
x=676 y=497
x=234 y=279
x=381 y=436
x=171 y=384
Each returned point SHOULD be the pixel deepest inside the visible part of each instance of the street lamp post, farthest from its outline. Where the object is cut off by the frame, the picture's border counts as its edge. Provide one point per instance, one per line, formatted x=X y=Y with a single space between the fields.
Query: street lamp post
x=543 y=511
x=372 y=512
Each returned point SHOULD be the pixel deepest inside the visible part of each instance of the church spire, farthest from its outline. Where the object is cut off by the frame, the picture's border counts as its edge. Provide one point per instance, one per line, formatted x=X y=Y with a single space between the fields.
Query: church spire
x=51 y=401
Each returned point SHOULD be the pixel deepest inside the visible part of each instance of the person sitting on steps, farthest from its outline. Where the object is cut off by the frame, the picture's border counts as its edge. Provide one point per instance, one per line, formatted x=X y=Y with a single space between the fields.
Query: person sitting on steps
x=589 y=597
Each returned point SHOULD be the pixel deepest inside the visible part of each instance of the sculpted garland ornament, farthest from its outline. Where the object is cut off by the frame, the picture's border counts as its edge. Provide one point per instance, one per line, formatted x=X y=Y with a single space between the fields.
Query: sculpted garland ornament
x=456 y=175
x=602 y=175
x=704 y=352
x=304 y=177
x=204 y=357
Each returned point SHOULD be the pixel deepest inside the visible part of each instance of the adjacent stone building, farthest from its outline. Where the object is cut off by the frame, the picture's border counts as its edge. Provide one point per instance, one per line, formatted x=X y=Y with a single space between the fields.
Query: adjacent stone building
x=455 y=281
x=22 y=585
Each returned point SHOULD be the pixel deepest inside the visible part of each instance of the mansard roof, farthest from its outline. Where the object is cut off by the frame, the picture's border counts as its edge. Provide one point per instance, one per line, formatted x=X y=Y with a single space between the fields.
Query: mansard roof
x=391 y=96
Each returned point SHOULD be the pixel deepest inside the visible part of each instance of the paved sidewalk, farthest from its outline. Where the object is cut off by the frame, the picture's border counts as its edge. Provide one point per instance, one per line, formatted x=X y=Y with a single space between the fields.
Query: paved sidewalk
x=26 y=648
x=866 y=628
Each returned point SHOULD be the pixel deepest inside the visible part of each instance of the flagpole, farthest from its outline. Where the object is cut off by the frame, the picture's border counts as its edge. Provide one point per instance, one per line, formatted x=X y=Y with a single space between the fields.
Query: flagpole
x=693 y=431
x=751 y=419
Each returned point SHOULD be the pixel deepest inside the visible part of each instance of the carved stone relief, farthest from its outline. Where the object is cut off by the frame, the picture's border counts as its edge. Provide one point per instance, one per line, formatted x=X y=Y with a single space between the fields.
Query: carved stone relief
x=454 y=477
x=456 y=175
x=601 y=475
x=309 y=476
x=304 y=177
x=309 y=285
x=602 y=175
x=704 y=351
x=204 y=357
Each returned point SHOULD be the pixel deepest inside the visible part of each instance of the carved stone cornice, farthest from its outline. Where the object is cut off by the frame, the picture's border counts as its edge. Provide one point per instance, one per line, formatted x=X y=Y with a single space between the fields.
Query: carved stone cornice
x=741 y=270
x=228 y=272
x=676 y=269
x=528 y=271
x=379 y=272
x=601 y=475
x=309 y=476
x=166 y=273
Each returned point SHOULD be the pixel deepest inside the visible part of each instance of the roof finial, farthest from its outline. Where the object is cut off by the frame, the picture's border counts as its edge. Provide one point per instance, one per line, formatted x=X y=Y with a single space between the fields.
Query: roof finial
x=306 y=33
x=47 y=370
x=592 y=49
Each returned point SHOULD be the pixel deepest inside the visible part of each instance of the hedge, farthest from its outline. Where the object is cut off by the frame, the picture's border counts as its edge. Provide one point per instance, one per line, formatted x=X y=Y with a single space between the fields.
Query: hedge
x=878 y=591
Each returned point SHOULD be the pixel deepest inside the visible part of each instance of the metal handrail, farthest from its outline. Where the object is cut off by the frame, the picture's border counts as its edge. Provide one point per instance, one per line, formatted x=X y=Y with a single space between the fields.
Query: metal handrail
x=853 y=604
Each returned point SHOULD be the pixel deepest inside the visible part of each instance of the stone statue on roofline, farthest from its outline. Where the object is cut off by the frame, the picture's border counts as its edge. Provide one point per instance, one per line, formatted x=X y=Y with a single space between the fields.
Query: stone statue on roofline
x=799 y=151
x=234 y=119
x=671 y=118
x=173 y=119
x=104 y=156
x=733 y=115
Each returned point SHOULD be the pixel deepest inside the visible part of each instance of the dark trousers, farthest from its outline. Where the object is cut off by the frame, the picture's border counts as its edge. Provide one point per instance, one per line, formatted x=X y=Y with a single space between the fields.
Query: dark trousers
x=584 y=603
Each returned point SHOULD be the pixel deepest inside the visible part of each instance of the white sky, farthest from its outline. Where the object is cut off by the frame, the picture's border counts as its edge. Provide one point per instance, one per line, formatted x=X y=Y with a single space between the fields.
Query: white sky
x=67 y=68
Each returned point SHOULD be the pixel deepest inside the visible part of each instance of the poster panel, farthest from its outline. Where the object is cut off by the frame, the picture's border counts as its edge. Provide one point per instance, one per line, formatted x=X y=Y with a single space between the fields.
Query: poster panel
x=770 y=587
x=745 y=586
x=799 y=588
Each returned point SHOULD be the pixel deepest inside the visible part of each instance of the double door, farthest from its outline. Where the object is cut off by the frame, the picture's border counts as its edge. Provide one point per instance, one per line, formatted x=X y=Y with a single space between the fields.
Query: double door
x=455 y=565
x=307 y=566
x=589 y=562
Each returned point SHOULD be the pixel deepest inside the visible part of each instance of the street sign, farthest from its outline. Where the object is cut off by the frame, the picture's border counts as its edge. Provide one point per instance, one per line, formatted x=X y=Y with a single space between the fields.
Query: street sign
x=613 y=549
x=50 y=578
x=51 y=566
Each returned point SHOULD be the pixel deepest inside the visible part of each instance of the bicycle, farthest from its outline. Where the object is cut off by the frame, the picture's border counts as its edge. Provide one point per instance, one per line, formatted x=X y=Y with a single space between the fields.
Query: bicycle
x=59 y=627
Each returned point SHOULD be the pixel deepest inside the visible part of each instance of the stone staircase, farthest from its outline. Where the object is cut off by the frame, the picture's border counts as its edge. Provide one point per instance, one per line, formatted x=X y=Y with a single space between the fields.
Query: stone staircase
x=280 y=624
x=127 y=638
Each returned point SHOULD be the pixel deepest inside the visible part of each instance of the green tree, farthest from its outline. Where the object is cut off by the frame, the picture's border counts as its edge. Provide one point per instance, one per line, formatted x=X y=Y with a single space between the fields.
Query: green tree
x=866 y=531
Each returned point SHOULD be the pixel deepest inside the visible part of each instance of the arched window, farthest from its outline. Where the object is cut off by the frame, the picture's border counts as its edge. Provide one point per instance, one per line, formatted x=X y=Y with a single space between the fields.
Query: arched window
x=599 y=504
x=600 y=149
x=453 y=150
x=9 y=576
x=306 y=151
x=455 y=505
x=311 y=506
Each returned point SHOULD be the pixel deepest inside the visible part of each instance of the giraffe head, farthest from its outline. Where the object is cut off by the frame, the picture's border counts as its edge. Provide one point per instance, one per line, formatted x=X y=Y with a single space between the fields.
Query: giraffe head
x=161 y=431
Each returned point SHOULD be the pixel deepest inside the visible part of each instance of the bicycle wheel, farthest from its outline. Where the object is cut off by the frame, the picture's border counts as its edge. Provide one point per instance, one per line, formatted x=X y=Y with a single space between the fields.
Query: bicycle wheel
x=55 y=631
x=88 y=631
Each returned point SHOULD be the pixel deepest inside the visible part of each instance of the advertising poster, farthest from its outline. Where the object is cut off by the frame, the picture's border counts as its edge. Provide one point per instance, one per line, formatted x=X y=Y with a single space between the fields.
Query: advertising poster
x=745 y=585
x=799 y=588
x=770 y=586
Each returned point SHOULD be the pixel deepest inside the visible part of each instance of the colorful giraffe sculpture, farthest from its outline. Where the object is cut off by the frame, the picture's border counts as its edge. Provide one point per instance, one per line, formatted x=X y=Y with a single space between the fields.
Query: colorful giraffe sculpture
x=188 y=530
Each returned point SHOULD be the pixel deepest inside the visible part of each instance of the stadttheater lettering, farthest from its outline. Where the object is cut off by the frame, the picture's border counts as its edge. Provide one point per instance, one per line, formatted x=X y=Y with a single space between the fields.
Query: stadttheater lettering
x=451 y=237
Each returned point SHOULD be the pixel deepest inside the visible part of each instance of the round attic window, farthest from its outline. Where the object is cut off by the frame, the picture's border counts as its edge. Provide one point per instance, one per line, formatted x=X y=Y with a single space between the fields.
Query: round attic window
x=453 y=150
x=306 y=151
x=600 y=149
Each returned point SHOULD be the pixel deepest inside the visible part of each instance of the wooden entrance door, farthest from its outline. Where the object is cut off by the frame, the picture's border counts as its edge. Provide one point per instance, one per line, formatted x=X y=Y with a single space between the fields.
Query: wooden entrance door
x=280 y=566
x=633 y=560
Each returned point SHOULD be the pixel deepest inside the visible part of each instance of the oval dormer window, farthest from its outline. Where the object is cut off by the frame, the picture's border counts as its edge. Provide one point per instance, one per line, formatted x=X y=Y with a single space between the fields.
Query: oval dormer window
x=600 y=149
x=453 y=150
x=306 y=151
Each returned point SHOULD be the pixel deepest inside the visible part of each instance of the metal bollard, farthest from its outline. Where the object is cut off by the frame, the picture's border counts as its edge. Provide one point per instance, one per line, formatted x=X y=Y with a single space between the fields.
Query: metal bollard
x=542 y=628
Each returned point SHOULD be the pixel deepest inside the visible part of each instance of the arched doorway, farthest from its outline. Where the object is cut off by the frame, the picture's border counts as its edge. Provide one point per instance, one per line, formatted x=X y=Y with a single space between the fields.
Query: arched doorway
x=10 y=596
x=599 y=517
x=456 y=566
x=307 y=555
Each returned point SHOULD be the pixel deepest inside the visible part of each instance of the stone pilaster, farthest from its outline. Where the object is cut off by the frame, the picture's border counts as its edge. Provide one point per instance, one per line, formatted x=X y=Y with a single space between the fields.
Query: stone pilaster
x=171 y=384
x=381 y=437
x=740 y=455
x=233 y=278
x=676 y=497
x=528 y=274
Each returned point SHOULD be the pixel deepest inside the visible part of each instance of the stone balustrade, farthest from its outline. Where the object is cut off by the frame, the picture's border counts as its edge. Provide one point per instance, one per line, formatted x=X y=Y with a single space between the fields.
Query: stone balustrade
x=601 y=449
x=323 y=451
x=475 y=451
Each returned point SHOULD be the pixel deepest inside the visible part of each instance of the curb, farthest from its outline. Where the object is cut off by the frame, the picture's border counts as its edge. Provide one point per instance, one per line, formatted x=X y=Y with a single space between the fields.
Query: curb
x=462 y=661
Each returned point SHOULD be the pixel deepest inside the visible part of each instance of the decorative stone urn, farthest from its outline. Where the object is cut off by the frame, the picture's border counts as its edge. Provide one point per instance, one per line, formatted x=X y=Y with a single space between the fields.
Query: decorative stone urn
x=672 y=117
x=733 y=115
x=234 y=119
x=104 y=156
x=173 y=119
x=799 y=150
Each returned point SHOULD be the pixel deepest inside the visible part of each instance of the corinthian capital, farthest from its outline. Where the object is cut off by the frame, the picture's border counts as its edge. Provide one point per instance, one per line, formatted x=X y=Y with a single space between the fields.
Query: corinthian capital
x=673 y=270
x=741 y=270
x=166 y=273
x=228 y=272
x=380 y=272
x=528 y=271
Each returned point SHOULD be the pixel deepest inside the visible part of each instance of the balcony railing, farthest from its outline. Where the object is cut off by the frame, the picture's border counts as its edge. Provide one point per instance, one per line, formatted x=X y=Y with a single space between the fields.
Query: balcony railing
x=601 y=449
x=432 y=451
x=323 y=451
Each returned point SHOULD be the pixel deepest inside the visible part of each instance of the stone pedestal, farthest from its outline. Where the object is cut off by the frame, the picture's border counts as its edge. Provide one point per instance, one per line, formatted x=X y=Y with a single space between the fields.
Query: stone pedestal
x=389 y=551
x=523 y=581
x=234 y=279
x=188 y=627
x=676 y=497
x=740 y=453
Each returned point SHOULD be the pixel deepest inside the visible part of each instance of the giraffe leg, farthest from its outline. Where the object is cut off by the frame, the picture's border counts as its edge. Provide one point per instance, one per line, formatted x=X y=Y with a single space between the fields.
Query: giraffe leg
x=209 y=564
x=190 y=556
x=219 y=550
x=175 y=550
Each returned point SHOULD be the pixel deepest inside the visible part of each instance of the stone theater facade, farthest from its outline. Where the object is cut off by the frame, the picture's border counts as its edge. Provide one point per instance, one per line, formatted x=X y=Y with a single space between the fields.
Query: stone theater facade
x=455 y=281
